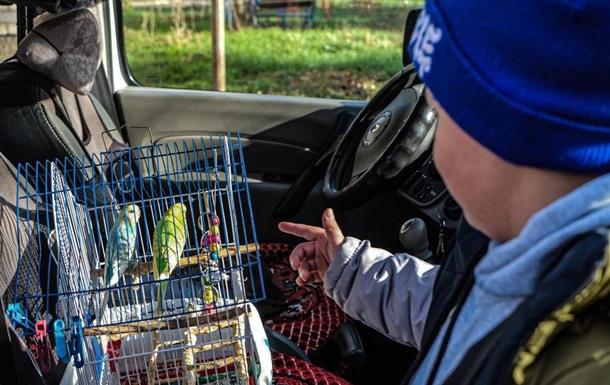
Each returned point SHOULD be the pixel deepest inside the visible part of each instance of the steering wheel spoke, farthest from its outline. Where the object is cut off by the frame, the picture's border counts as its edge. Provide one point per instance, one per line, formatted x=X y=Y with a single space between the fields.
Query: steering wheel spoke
x=354 y=178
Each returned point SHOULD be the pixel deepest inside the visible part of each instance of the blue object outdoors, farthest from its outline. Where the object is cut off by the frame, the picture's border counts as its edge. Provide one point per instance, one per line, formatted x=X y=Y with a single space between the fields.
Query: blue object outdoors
x=229 y=13
x=283 y=9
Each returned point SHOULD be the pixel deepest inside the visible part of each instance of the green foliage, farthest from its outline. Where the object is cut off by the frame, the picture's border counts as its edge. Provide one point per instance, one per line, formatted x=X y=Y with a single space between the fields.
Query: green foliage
x=349 y=56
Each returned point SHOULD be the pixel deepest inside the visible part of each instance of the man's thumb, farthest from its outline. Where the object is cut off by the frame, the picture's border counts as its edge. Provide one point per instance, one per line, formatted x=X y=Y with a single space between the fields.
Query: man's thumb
x=333 y=231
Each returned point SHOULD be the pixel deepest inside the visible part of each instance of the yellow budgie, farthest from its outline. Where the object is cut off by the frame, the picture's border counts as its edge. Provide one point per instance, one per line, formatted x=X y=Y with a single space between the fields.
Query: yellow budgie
x=169 y=240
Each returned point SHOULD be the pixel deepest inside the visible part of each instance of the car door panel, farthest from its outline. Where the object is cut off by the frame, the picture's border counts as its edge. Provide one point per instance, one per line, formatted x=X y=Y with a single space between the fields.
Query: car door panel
x=281 y=137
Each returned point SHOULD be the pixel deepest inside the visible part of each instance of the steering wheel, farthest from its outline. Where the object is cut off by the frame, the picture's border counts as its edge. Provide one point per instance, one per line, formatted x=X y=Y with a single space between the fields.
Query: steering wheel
x=386 y=142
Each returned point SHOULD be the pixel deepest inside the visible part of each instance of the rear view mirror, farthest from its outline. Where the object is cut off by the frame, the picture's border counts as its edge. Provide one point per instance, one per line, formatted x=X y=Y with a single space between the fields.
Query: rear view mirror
x=409 y=27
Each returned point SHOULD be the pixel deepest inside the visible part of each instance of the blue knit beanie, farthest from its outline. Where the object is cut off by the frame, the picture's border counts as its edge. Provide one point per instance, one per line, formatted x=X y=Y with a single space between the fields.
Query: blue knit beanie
x=529 y=80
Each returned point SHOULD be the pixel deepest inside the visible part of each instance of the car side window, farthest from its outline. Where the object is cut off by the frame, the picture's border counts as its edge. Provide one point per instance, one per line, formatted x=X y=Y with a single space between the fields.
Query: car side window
x=344 y=49
x=8 y=31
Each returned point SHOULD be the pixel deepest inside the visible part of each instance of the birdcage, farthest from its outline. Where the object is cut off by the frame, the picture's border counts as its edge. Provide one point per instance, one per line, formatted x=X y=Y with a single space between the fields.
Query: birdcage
x=150 y=269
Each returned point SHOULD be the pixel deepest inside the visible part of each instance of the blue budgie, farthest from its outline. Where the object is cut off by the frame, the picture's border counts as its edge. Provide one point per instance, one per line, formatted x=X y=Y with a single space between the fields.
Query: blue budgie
x=168 y=244
x=119 y=250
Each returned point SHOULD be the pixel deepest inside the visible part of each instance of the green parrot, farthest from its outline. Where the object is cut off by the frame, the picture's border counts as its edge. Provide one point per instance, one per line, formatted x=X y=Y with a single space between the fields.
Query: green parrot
x=168 y=244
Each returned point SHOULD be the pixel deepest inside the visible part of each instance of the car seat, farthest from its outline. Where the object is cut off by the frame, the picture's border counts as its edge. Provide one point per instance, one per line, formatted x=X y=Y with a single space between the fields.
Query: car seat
x=47 y=111
x=46 y=89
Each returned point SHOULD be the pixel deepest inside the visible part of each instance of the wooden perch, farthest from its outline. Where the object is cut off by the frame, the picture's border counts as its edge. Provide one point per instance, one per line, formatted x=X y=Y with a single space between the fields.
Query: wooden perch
x=143 y=267
x=207 y=323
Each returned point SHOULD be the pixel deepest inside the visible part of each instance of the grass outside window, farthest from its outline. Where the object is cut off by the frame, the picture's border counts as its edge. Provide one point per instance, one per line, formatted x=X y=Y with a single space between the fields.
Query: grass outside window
x=349 y=56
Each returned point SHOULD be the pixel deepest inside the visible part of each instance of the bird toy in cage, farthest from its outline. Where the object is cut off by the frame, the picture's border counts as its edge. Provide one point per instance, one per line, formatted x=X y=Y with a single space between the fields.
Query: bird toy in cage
x=212 y=245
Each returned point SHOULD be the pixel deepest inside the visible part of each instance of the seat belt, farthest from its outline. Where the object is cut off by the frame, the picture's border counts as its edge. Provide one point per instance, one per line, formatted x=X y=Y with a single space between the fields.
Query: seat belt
x=99 y=125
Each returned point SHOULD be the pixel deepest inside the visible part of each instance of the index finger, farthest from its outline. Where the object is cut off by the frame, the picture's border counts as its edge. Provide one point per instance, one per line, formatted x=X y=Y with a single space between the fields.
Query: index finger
x=311 y=233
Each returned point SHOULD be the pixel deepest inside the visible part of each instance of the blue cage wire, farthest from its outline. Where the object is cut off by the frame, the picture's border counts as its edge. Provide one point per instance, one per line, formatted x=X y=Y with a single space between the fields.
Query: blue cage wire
x=204 y=328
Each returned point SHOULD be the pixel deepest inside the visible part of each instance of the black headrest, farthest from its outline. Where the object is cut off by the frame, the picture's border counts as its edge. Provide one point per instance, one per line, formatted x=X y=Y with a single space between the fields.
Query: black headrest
x=65 y=47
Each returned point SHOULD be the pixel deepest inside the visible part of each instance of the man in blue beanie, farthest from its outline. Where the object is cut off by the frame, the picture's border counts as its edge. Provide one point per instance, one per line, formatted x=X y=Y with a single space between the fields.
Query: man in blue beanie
x=522 y=92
